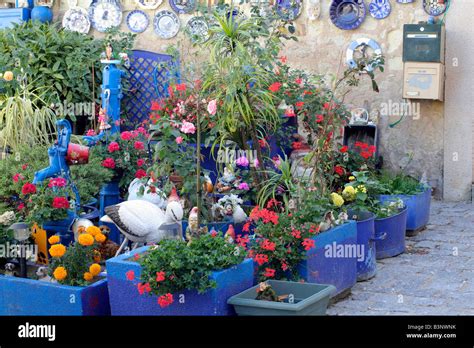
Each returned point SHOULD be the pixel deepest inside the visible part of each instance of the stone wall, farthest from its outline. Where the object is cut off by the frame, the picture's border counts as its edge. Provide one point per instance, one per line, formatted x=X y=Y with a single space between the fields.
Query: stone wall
x=321 y=49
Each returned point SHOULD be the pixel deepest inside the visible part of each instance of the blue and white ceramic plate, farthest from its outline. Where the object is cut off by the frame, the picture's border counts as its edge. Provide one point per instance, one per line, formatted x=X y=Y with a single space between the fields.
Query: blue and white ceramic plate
x=289 y=10
x=380 y=9
x=105 y=14
x=364 y=41
x=347 y=14
x=76 y=19
x=137 y=21
x=148 y=4
x=198 y=29
x=166 y=24
x=183 y=6
x=434 y=8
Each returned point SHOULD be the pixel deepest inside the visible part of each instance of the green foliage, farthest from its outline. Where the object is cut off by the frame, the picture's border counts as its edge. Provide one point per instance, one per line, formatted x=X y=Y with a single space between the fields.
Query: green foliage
x=280 y=182
x=394 y=184
x=62 y=60
x=188 y=266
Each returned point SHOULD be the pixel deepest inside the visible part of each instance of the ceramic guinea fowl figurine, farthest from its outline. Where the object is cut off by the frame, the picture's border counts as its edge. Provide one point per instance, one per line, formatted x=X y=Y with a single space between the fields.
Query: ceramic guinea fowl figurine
x=266 y=293
x=143 y=222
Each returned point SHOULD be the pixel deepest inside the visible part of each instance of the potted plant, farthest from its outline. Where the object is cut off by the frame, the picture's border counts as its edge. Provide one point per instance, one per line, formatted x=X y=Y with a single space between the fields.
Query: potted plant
x=390 y=227
x=415 y=195
x=179 y=278
x=275 y=297
x=70 y=285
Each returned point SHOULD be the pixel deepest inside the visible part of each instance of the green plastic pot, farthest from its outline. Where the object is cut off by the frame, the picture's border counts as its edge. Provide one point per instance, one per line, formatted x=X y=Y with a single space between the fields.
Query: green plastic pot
x=308 y=299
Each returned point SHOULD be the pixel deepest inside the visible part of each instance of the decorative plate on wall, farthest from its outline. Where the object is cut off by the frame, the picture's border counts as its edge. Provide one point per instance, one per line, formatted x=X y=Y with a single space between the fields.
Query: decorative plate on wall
x=198 y=29
x=289 y=10
x=361 y=43
x=183 y=6
x=166 y=24
x=76 y=19
x=434 y=7
x=380 y=9
x=137 y=21
x=347 y=14
x=148 y=4
x=105 y=14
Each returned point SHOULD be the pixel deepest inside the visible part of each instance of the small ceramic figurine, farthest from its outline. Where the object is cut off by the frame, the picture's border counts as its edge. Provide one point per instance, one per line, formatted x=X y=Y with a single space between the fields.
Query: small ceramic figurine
x=193 y=231
x=226 y=182
x=103 y=118
x=208 y=186
x=109 y=52
x=10 y=270
x=42 y=274
x=228 y=212
x=173 y=197
x=313 y=9
x=341 y=218
x=266 y=293
x=231 y=204
x=217 y=212
x=230 y=234
x=328 y=222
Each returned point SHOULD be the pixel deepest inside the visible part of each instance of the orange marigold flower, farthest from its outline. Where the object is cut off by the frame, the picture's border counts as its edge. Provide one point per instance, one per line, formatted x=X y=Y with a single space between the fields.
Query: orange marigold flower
x=85 y=239
x=60 y=273
x=54 y=240
x=100 y=237
x=57 y=250
x=94 y=269
x=88 y=276
x=93 y=230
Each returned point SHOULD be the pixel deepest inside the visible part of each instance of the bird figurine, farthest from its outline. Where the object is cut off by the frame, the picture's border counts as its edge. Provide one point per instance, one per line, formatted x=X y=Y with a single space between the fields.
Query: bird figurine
x=173 y=197
x=341 y=218
x=207 y=185
x=10 y=270
x=230 y=234
x=42 y=274
x=239 y=215
x=328 y=222
x=143 y=222
x=154 y=195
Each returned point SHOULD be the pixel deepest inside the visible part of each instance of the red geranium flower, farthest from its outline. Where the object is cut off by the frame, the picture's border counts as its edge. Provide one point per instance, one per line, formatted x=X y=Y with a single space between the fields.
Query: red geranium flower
x=140 y=162
x=296 y=234
x=344 y=149
x=140 y=173
x=275 y=87
x=181 y=87
x=283 y=59
x=130 y=275
x=299 y=104
x=296 y=145
x=142 y=288
x=246 y=227
x=261 y=259
x=108 y=163
x=126 y=135
x=24 y=166
x=113 y=146
x=262 y=143
x=155 y=106
x=284 y=266
x=165 y=300
x=138 y=145
x=267 y=245
x=242 y=241
x=28 y=188
x=57 y=182
x=339 y=170
x=319 y=118
x=160 y=276
x=308 y=243
x=269 y=272
x=17 y=177
x=365 y=154
x=298 y=80
x=60 y=203
x=21 y=206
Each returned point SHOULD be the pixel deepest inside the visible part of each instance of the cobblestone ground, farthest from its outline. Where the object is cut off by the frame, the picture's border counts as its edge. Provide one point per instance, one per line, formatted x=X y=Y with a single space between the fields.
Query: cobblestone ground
x=435 y=276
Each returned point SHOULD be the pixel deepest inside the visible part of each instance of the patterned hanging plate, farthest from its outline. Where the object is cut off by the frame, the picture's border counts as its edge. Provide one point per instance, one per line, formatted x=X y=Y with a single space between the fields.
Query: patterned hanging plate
x=198 y=29
x=166 y=24
x=347 y=14
x=289 y=10
x=434 y=7
x=183 y=6
x=380 y=9
x=137 y=21
x=76 y=19
x=105 y=14
x=148 y=4
x=360 y=43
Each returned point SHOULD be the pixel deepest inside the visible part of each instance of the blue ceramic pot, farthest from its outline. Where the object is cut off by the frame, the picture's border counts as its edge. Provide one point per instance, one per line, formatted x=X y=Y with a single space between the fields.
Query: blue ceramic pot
x=366 y=263
x=42 y=13
x=390 y=235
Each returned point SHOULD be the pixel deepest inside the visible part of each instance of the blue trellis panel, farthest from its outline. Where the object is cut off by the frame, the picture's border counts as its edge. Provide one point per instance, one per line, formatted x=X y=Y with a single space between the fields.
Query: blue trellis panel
x=149 y=75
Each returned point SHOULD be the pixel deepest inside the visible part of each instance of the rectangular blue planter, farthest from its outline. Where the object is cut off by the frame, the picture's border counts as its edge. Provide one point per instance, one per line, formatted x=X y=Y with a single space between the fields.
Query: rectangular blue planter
x=20 y=296
x=418 y=208
x=338 y=271
x=125 y=299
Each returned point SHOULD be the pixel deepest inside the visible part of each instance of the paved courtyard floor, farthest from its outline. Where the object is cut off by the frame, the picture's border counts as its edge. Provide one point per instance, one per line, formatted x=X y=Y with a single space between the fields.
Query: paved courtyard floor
x=435 y=276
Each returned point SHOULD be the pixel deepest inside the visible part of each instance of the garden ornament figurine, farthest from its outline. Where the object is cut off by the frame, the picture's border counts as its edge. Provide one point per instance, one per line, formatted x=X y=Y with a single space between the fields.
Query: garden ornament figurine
x=143 y=222
x=192 y=231
x=230 y=234
x=42 y=274
x=10 y=270
x=225 y=183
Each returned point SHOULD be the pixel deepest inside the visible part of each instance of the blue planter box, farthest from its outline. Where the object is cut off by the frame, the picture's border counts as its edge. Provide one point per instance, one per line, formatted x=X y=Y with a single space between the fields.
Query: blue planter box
x=9 y=16
x=323 y=266
x=367 y=267
x=390 y=235
x=125 y=299
x=418 y=208
x=61 y=228
x=20 y=296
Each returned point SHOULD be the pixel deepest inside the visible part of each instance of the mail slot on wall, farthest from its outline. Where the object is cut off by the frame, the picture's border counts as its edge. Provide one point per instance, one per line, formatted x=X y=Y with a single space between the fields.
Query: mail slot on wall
x=423 y=80
x=423 y=43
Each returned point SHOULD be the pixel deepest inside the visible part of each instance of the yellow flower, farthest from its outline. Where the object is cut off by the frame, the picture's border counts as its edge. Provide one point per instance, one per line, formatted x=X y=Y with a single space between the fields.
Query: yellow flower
x=8 y=76
x=93 y=230
x=349 y=193
x=60 y=273
x=85 y=239
x=100 y=237
x=352 y=178
x=88 y=276
x=57 y=250
x=361 y=188
x=54 y=240
x=337 y=200
x=94 y=269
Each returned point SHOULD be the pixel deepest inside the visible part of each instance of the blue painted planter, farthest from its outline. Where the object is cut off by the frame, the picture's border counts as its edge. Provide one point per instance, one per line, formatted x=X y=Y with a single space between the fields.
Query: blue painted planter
x=21 y=296
x=367 y=267
x=110 y=195
x=218 y=226
x=390 y=235
x=125 y=299
x=418 y=208
x=325 y=266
